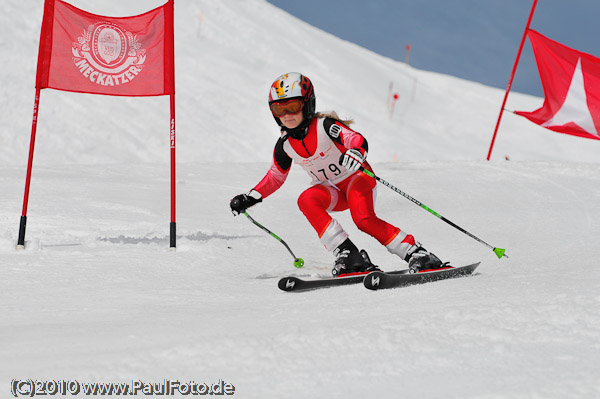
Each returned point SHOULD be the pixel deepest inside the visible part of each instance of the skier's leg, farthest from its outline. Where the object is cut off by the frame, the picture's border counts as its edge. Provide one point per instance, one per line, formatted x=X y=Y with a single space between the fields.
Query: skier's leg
x=315 y=203
x=418 y=258
x=361 y=194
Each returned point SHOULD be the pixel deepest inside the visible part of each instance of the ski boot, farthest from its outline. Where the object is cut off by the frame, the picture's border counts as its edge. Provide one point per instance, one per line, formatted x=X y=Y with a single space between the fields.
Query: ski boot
x=350 y=261
x=420 y=260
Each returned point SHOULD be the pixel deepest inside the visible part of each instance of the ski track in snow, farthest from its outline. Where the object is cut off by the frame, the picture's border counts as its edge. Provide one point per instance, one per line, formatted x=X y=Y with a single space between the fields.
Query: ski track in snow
x=98 y=296
x=98 y=309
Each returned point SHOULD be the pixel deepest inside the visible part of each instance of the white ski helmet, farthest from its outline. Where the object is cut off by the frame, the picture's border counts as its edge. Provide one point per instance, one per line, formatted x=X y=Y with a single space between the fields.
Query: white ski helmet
x=294 y=85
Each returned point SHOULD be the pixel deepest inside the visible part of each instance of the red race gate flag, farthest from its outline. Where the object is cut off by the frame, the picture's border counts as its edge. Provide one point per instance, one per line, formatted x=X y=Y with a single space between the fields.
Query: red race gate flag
x=571 y=83
x=119 y=56
x=88 y=53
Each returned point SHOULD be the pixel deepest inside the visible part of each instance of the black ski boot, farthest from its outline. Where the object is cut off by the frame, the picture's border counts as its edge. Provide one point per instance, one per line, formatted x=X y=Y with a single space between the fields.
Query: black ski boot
x=420 y=260
x=349 y=260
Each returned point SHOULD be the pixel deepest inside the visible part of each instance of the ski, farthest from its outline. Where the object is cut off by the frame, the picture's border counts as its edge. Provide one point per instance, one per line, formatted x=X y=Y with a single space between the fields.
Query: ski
x=381 y=280
x=296 y=284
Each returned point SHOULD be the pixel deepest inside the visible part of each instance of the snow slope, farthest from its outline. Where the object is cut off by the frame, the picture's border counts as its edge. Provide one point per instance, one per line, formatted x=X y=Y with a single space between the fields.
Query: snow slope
x=97 y=295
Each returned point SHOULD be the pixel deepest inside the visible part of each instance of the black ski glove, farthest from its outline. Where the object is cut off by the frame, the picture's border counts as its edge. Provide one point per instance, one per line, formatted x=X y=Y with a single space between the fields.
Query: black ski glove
x=241 y=202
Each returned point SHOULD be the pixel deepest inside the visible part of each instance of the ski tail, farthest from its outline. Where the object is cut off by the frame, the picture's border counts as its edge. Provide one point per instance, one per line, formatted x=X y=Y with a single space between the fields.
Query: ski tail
x=379 y=280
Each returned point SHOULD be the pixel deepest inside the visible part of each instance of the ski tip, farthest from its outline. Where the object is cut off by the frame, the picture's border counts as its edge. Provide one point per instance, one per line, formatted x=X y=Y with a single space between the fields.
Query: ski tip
x=372 y=280
x=500 y=252
x=288 y=283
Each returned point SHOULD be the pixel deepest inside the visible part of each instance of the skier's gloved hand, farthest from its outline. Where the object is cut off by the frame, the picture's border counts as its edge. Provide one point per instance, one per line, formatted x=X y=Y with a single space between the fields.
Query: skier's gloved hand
x=353 y=159
x=241 y=202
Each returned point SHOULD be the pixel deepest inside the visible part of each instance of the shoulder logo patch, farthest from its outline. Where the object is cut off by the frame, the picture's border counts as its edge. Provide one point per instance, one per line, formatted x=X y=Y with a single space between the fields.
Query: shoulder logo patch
x=335 y=130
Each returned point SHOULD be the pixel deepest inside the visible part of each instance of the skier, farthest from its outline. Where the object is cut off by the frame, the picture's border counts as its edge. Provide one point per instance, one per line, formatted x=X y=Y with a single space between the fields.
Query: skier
x=331 y=153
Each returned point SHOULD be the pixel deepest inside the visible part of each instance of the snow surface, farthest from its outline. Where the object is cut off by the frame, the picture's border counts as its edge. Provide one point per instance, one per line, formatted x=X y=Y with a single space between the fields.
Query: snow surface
x=98 y=296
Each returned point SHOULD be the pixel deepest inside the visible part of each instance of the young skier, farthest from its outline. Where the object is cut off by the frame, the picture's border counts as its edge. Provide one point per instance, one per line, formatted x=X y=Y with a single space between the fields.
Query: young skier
x=331 y=153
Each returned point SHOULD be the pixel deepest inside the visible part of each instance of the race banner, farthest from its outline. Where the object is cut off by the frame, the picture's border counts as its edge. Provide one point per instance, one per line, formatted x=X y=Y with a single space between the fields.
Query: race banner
x=571 y=83
x=120 y=56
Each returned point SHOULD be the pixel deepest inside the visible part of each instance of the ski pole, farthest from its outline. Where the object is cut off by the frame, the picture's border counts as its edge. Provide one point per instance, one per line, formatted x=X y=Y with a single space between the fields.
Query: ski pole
x=498 y=251
x=298 y=262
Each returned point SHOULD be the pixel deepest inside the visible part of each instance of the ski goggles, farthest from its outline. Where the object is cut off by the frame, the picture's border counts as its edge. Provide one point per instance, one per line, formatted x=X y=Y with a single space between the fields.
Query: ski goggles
x=282 y=108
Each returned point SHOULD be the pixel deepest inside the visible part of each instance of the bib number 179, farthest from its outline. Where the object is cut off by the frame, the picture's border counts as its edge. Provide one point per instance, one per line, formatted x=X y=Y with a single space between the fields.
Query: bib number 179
x=333 y=169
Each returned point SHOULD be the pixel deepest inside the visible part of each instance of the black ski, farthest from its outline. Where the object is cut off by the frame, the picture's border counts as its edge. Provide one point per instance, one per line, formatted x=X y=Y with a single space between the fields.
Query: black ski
x=380 y=280
x=297 y=284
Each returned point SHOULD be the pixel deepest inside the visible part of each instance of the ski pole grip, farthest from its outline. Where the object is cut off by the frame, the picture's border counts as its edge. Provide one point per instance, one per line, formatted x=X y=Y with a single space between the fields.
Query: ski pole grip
x=235 y=203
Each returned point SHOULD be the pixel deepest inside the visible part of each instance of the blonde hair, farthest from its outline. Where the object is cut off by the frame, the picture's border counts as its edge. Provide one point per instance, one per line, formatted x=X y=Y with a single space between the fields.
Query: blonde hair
x=334 y=115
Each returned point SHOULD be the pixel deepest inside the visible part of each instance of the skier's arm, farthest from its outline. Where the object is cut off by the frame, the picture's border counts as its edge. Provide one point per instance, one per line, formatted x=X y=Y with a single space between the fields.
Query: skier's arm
x=278 y=172
x=345 y=137
x=274 y=179
x=352 y=144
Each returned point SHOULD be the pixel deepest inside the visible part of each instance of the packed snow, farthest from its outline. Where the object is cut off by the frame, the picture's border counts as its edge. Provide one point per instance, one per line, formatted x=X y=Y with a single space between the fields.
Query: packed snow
x=97 y=296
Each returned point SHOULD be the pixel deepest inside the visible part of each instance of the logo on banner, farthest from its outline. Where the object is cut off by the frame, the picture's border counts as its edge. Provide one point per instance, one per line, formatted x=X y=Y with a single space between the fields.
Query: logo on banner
x=108 y=55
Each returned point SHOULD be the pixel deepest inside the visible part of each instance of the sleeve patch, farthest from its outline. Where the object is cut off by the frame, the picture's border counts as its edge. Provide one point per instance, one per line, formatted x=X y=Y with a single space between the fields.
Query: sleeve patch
x=335 y=130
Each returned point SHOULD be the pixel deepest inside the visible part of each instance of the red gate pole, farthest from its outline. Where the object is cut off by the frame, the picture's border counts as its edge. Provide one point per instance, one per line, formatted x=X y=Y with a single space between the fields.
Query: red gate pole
x=510 y=81
x=170 y=72
x=23 y=223
x=173 y=228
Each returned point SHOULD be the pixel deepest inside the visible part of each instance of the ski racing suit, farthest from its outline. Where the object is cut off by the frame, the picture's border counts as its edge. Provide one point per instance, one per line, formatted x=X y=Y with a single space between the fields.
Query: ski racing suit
x=333 y=187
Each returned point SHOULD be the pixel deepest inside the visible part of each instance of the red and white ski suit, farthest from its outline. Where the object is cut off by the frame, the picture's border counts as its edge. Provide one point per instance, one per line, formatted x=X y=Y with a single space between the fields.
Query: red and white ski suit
x=333 y=187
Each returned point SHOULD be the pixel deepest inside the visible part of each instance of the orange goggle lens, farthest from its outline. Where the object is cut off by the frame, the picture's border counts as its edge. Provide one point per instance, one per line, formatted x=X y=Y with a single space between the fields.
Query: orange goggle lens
x=286 y=107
